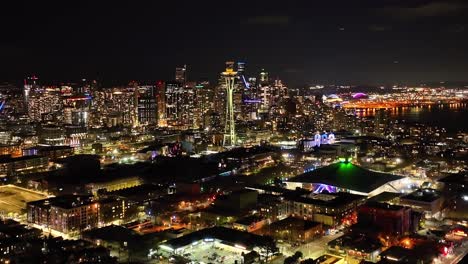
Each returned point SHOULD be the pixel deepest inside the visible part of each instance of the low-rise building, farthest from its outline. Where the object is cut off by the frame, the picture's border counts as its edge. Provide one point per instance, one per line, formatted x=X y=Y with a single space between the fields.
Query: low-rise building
x=293 y=229
x=66 y=214
x=52 y=152
x=249 y=223
x=428 y=201
x=329 y=209
x=356 y=246
x=117 y=210
x=114 y=184
x=10 y=166
x=389 y=219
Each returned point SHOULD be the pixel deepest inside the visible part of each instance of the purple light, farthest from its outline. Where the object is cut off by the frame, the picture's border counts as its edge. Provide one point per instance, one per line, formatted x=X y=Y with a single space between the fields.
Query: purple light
x=321 y=187
x=252 y=101
x=359 y=95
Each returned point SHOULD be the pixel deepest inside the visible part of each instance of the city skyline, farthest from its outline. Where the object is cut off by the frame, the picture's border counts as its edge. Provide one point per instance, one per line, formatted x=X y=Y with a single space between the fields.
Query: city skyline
x=302 y=43
x=261 y=132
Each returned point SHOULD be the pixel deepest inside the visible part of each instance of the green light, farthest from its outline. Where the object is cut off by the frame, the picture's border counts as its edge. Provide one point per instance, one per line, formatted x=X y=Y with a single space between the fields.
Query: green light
x=345 y=160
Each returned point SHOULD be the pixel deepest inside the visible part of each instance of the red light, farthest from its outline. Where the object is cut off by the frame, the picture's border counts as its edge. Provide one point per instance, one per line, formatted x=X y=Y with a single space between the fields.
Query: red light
x=445 y=251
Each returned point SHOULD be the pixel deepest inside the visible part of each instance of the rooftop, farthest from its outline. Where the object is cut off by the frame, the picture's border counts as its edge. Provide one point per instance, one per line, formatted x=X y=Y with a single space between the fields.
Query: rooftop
x=64 y=201
x=384 y=197
x=347 y=176
x=248 y=220
x=49 y=148
x=221 y=233
x=329 y=200
x=356 y=242
x=456 y=178
x=423 y=195
x=291 y=222
x=384 y=206
x=112 y=233
x=8 y=158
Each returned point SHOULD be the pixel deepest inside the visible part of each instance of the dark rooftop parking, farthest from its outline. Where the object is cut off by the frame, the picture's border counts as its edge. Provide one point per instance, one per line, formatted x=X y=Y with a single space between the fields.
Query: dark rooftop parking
x=347 y=176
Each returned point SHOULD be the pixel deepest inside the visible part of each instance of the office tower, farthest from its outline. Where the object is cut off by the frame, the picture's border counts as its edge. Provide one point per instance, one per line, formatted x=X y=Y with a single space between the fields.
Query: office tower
x=265 y=91
x=147 y=105
x=181 y=75
x=173 y=96
x=30 y=84
x=161 y=102
x=187 y=107
x=229 y=76
x=204 y=96
x=241 y=68
x=263 y=77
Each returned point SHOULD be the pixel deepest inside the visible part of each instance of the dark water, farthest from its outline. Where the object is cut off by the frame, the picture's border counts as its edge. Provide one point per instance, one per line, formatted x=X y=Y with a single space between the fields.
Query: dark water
x=452 y=117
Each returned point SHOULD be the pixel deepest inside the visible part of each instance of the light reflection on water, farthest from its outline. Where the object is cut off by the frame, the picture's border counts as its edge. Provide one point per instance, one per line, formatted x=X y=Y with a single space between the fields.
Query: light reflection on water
x=453 y=117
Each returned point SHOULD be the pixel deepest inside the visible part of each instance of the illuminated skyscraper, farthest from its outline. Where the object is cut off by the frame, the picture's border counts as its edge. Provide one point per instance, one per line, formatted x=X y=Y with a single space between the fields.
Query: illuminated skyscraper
x=30 y=84
x=161 y=102
x=147 y=105
x=181 y=75
x=264 y=77
x=265 y=91
x=173 y=96
x=240 y=68
x=229 y=76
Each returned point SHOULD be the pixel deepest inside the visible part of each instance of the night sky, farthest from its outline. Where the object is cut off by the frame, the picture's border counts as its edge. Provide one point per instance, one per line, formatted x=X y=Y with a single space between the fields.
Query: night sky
x=301 y=42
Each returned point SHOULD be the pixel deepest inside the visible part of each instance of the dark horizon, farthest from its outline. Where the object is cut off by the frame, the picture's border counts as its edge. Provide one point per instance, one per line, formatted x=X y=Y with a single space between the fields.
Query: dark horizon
x=301 y=43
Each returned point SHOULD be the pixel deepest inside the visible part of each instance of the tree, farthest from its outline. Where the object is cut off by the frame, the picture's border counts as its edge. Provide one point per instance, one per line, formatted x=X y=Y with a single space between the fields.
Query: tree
x=290 y=260
x=268 y=245
x=298 y=255
x=294 y=258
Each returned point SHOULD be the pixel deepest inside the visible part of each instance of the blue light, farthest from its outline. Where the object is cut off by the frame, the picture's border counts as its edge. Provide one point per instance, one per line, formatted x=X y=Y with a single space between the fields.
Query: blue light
x=245 y=82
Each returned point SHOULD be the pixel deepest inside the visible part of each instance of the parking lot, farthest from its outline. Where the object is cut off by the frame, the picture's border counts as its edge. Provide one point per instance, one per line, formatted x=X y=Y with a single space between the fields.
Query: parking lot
x=13 y=199
x=214 y=252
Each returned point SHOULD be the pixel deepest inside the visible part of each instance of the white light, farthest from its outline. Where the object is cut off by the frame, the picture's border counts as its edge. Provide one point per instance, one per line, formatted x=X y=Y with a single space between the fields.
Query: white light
x=465 y=198
x=166 y=247
x=239 y=246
